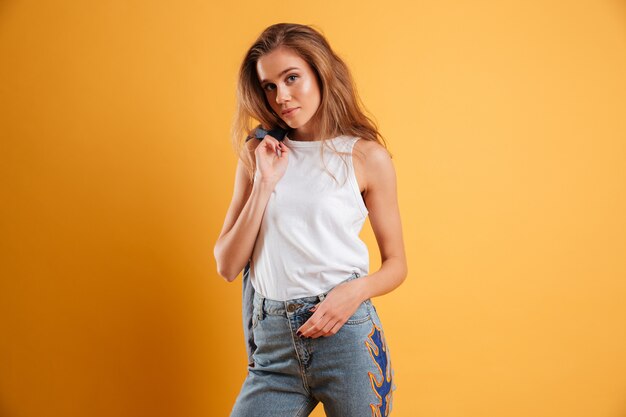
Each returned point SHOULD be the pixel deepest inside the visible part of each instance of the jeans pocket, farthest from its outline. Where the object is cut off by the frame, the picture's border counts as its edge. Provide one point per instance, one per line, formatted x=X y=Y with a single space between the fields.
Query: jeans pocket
x=361 y=315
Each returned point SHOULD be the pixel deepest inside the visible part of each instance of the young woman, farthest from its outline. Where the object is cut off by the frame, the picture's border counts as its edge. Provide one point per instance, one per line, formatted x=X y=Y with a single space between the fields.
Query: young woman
x=298 y=205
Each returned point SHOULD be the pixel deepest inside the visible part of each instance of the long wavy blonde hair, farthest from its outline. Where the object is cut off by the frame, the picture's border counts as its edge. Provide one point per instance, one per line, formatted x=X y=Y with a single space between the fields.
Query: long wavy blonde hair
x=341 y=111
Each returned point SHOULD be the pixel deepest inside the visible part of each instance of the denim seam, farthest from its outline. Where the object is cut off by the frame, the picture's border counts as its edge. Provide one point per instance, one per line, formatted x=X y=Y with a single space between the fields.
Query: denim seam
x=295 y=348
x=304 y=407
x=356 y=322
x=370 y=308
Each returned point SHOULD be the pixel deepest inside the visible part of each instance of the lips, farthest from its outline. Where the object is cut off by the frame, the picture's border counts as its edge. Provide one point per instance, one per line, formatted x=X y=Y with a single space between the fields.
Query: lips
x=289 y=111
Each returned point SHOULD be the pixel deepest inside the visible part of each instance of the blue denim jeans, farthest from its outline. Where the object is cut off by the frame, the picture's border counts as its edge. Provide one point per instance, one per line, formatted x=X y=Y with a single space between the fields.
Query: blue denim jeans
x=247 y=308
x=350 y=372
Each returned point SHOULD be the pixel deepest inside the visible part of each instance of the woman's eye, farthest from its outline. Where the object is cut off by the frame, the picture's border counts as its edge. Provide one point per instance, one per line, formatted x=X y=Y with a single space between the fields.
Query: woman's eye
x=267 y=86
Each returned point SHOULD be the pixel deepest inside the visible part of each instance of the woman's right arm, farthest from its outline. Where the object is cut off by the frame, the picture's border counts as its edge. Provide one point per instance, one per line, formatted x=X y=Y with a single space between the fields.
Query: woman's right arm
x=236 y=242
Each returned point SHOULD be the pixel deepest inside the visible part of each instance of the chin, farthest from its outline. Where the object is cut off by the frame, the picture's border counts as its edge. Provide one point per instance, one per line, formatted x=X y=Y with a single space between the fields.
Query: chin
x=296 y=124
x=292 y=125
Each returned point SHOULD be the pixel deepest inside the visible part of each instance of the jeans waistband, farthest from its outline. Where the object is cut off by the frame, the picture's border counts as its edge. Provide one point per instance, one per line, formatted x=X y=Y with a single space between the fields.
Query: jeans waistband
x=293 y=306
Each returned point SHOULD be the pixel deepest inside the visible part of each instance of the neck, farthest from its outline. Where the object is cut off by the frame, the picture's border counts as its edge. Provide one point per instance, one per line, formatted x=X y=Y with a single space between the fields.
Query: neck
x=307 y=133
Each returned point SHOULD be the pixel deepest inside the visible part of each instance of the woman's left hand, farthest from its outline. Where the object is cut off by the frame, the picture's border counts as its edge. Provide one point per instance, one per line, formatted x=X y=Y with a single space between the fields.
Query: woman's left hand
x=331 y=314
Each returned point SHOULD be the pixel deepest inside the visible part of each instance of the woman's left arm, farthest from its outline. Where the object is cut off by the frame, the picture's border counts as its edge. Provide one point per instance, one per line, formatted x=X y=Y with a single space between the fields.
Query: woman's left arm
x=381 y=199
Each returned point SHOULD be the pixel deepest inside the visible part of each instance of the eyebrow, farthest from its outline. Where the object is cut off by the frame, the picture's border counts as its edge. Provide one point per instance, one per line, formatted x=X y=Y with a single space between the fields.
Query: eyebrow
x=282 y=72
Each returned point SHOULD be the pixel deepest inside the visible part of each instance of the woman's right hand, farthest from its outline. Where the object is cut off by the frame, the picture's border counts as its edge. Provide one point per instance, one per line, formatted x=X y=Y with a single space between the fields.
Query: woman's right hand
x=269 y=165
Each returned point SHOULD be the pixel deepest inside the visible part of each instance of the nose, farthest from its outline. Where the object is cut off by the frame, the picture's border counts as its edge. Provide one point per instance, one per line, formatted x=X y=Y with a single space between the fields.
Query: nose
x=282 y=94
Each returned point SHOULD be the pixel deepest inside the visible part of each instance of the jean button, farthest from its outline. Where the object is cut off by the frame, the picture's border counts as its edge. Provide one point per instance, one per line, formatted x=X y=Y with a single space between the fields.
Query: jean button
x=291 y=308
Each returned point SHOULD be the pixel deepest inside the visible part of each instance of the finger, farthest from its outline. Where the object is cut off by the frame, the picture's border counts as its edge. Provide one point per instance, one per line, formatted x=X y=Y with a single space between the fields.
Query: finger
x=263 y=146
x=271 y=139
x=311 y=320
x=321 y=327
x=270 y=146
x=278 y=145
x=335 y=329
x=280 y=150
x=305 y=329
x=312 y=325
x=324 y=331
x=314 y=331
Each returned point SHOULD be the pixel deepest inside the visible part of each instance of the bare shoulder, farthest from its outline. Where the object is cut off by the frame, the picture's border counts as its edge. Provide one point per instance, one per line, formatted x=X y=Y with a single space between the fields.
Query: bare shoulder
x=373 y=161
x=368 y=149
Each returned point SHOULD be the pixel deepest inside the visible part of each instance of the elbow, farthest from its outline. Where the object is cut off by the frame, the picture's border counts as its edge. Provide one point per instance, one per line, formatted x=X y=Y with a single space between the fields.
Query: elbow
x=222 y=269
x=404 y=273
x=227 y=275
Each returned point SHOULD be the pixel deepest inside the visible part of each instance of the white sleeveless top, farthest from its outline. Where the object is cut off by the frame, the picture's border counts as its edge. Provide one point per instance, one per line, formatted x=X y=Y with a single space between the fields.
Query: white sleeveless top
x=309 y=236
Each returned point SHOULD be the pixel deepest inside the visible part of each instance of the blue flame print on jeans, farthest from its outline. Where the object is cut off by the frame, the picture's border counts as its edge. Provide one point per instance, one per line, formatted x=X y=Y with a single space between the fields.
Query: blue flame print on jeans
x=383 y=388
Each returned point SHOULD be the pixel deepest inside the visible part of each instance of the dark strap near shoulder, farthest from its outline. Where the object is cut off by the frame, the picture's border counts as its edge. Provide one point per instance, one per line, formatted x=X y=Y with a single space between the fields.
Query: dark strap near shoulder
x=259 y=133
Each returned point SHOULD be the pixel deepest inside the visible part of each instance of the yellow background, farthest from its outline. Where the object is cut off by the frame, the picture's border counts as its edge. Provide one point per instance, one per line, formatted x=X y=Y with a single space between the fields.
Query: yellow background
x=507 y=122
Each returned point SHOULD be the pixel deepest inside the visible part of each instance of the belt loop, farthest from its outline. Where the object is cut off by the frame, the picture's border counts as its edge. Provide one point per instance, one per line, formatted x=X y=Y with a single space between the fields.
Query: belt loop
x=261 y=306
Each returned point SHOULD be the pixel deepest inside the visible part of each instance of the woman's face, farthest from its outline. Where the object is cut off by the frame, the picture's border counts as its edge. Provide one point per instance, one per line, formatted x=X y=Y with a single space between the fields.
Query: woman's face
x=289 y=82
